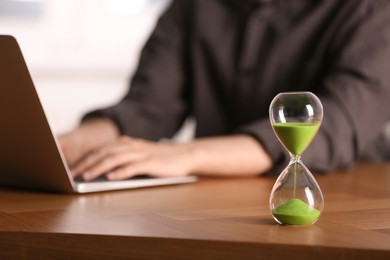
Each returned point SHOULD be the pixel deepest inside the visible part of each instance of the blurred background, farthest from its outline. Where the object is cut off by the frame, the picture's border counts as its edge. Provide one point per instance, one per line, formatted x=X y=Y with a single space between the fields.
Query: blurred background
x=80 y=53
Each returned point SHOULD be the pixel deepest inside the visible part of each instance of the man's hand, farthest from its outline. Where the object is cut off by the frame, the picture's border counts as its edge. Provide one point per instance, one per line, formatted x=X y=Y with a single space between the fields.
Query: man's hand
x=89 y=136
x=127 y=157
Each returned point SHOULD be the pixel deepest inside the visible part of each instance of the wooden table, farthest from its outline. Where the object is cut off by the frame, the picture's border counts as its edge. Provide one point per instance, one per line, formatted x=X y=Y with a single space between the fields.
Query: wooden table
x=211 y=219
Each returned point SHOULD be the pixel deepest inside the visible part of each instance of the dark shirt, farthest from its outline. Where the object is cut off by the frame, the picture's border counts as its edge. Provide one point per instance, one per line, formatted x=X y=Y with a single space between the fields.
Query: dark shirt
x=222 y=62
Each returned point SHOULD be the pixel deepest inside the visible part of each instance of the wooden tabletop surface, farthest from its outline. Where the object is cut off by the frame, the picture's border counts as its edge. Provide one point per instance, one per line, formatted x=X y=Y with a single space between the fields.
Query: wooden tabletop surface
x=210 y=219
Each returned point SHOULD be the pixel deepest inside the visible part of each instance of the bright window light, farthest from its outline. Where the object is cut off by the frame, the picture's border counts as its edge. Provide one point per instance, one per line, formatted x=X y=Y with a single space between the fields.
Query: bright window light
x=125 y=7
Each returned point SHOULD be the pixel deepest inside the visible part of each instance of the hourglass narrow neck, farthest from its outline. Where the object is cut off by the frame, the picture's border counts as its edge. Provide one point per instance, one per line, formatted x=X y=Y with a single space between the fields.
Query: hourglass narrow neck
x=295 y=158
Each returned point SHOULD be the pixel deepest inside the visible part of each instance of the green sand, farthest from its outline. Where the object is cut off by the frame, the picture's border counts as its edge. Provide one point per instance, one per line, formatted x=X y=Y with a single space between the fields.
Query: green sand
x=295 y=212
x=296 y=136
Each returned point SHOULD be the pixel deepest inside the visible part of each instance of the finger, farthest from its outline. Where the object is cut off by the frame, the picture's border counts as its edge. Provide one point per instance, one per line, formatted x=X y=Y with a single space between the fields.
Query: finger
x=130 y=170
x=86 y=162
x=95 y=156
x=111 y=162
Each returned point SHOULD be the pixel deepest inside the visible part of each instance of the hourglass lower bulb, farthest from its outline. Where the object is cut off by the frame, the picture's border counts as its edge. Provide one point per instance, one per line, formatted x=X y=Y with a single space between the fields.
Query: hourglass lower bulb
x=296 y=198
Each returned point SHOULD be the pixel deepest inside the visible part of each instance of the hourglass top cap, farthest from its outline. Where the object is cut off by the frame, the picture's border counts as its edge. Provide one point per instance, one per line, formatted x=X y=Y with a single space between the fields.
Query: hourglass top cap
x=286 y=104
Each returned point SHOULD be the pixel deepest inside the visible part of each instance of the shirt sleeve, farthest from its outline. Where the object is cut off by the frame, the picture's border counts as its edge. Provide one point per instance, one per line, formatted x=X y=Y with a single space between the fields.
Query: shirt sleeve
x=355 y=94
x=155 y=106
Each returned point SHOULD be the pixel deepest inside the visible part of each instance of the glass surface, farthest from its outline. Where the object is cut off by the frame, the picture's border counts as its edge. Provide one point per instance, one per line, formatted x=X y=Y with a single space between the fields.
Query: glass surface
x=296 y=198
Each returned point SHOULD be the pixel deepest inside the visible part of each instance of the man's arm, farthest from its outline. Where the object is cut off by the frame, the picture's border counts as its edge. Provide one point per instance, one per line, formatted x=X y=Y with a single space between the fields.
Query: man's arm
x=157 y=104
x=236 y=155
x=355 y=92
x=125 y=157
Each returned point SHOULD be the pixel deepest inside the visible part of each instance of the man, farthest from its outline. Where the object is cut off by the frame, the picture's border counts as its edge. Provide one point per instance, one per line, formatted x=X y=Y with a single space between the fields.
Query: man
x=222 y=62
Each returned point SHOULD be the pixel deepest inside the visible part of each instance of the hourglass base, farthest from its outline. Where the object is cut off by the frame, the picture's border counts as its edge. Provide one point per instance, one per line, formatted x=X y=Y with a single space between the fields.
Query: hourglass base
x=296 y=199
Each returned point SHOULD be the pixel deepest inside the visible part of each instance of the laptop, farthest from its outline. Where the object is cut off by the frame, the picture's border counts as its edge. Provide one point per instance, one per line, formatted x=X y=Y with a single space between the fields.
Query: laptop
x=30 y=155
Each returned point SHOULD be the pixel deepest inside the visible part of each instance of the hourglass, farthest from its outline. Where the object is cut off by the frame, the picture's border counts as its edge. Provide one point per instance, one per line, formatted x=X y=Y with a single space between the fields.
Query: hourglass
x=296 y=198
